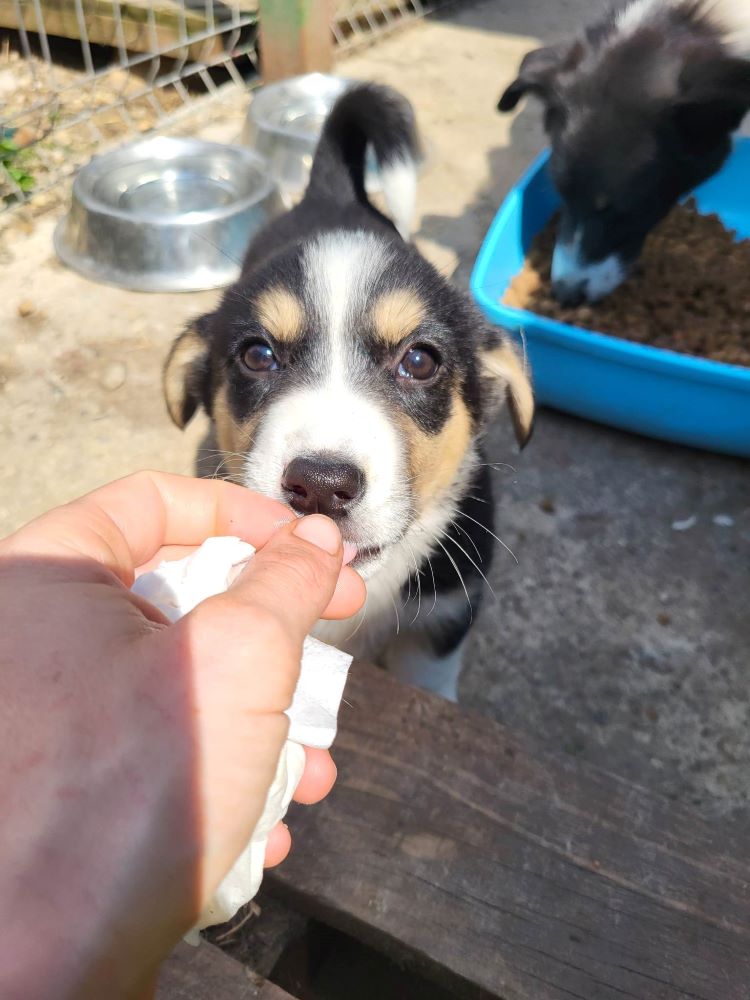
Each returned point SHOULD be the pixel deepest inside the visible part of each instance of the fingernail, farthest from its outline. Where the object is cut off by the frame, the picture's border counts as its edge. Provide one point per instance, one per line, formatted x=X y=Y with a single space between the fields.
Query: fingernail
x=320 y=531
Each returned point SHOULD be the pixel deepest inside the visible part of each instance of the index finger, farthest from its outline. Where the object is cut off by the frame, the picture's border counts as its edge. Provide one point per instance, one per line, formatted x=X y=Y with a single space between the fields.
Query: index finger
x=124 y=524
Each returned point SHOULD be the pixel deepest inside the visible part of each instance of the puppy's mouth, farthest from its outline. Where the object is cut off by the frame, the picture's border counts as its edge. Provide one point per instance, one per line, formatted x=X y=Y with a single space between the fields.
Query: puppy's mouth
x=359 y=555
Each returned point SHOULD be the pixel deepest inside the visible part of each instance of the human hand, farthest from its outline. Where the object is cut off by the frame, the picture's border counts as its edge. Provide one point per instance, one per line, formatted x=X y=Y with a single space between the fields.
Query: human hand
x=135 y=756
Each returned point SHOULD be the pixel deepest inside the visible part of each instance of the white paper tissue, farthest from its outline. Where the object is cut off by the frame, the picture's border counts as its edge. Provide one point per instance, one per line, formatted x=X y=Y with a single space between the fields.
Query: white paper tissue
x=175 y=588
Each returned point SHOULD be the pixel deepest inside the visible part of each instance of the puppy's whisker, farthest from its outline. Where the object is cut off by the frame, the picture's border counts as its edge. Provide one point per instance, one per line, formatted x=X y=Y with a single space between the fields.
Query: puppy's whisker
x=465 y=532
x=434 y=587
x=460 y=577
x=496 y=537
x=408 y=593
x=448 y=538
x=221 y=250
x=225 y=460
x=227 y=455
x=417 y=575
x=497 y=466
x=362 y=616
x=220 y=452
x=398 y=622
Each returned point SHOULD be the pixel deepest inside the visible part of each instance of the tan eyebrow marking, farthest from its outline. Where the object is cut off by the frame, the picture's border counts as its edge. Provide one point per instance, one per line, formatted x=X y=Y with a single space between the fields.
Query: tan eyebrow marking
x=281 y=313
x=396 y=314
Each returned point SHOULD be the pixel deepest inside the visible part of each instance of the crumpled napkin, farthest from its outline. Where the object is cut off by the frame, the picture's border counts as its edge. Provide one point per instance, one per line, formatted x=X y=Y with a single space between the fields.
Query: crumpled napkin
x=175 y=588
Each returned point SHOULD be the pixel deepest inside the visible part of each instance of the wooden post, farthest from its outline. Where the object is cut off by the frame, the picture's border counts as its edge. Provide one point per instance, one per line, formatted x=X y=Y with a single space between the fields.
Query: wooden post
x=295 y=37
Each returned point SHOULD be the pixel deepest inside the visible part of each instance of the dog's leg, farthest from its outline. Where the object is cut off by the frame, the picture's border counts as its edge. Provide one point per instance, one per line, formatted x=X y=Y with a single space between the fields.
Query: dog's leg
x=442 y=605
x=413 y=659
x=428 y=653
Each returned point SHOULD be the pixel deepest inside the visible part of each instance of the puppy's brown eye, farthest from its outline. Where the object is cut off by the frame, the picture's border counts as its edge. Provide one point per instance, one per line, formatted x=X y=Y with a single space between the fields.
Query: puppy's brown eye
x=260 y=358
x=418 y=363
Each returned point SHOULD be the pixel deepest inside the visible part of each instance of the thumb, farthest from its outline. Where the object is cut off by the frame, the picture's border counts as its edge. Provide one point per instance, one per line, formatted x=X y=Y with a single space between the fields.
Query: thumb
x=243 y=650
x=294 y=575
x=256 y=629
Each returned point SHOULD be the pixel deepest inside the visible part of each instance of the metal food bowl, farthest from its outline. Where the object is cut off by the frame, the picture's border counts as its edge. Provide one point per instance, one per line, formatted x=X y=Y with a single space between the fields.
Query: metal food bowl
x=166 y=214
x=283 y=125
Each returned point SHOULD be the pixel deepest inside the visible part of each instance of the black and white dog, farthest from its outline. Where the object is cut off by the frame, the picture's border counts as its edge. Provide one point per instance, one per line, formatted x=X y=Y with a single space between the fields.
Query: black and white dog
x=344 y=375
x=639 y=109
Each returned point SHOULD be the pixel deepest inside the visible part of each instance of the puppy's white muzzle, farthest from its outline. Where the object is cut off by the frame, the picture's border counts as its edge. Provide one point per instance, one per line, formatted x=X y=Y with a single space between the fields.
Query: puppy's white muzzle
x=575 y=280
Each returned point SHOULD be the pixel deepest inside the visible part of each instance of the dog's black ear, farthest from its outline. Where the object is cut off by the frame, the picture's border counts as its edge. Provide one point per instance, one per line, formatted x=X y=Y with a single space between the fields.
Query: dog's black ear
x=714 y=96
x=506 y=371
x=186 y=373
x=538 y=71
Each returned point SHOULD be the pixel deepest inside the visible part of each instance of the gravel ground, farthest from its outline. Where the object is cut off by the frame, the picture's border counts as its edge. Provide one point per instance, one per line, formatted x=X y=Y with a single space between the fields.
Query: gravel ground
x=619 y=638
x=44 y=106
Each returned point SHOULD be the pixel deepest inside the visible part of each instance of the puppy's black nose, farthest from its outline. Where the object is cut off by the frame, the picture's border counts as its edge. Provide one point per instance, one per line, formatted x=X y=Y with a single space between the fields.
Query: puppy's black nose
x=569 y=293
x=322 y=484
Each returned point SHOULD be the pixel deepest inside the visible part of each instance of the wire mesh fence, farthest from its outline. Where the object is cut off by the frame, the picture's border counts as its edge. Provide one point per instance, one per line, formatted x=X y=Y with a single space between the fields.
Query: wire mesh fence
x=358 y=22
x=77 y=75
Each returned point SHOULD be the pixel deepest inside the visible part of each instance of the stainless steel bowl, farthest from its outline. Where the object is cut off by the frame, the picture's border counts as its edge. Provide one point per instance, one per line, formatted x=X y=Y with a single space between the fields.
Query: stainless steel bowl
x=166 y=214
x=283 y=125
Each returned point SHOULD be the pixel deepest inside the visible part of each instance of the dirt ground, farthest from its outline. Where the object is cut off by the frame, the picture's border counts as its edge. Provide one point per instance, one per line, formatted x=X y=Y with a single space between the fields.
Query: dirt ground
x=622 y=637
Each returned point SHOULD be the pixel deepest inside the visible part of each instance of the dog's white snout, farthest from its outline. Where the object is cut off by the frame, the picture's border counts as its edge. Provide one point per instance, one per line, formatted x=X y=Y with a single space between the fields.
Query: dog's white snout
x=331 y=449
x=575 y=279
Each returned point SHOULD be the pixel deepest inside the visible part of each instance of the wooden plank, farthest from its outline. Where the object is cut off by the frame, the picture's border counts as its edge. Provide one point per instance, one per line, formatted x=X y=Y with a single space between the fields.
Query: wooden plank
x=260 y=933
x=169 y=27
x=295 y=37
x=501 y=872
x=206 y=973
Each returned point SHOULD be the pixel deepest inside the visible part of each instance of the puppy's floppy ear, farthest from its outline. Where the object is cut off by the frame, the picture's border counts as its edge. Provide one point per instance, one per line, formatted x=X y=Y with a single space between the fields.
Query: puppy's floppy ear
x=713 y=98
x=186 y=373
x=503 y=367
x=538 y=71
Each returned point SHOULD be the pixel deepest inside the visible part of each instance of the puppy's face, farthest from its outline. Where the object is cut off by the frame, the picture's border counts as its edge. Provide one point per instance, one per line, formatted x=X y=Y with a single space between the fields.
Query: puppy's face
x=616 y=184
x=636 y=117
x=347 y=377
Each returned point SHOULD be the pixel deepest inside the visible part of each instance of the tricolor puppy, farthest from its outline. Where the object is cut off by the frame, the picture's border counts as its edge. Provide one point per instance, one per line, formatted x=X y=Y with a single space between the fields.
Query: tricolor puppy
x=638 y=109
x=344 y=375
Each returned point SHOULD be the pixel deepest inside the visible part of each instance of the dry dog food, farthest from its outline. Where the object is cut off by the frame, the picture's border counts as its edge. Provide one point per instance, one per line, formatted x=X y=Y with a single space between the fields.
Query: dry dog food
x=690 y=293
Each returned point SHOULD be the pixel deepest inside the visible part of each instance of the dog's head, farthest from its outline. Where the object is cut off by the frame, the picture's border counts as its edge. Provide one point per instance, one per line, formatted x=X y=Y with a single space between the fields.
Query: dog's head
x=638 y=112
x=346 y=376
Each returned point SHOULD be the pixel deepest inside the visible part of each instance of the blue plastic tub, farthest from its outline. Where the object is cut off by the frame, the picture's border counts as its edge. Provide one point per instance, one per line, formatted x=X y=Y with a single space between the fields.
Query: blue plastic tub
x=638 y=388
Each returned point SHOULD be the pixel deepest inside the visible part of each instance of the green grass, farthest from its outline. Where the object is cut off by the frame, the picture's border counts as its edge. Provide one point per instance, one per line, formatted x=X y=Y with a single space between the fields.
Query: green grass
x=12 y=161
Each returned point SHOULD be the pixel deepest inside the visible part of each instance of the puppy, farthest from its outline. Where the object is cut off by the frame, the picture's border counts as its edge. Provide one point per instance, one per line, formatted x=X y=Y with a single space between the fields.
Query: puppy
x=344 y=375
x=639 y=109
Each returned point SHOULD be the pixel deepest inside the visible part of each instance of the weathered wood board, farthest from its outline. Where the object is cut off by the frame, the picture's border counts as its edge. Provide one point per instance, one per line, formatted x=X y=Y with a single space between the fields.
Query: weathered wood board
x=206 y=973
x=501 y=872
x=135 y=25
